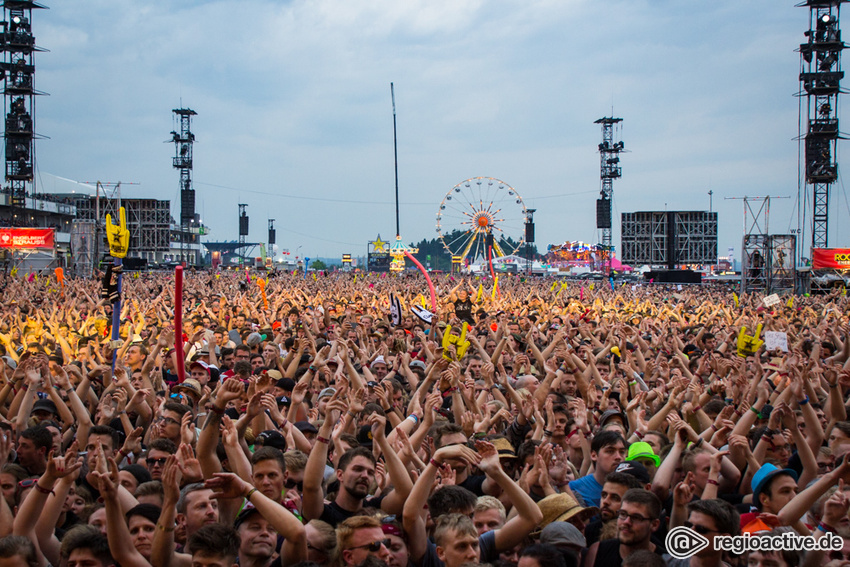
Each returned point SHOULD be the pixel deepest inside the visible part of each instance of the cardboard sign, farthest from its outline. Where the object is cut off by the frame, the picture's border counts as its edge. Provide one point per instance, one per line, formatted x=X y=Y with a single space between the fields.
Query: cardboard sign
x=776 y=340
x=771 y=300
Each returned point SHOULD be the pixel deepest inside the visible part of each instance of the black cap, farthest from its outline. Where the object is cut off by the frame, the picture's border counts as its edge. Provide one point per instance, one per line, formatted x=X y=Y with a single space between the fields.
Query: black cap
x=634 y=469
x=244 y=514
x=305 y=427
x=284 y=401
x=286 y=384
x=44 y=405
x=272 y=438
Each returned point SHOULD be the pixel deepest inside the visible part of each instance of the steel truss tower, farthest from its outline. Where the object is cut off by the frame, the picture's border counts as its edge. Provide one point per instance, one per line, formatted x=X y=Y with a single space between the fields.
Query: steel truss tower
x=18 y=68
x=609 y=157
x=183 y=142
x=820 y=80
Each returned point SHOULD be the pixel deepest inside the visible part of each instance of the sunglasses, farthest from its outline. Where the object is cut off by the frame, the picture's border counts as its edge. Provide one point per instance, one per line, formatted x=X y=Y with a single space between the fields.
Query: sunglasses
x=701 y=530
x=27 y=483
x=154 y=462
x=375 y=546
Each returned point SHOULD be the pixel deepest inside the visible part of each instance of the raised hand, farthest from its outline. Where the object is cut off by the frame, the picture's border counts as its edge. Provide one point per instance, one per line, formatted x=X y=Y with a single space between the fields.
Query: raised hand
x=489 y=458
x=190 y=467
x=228 y=485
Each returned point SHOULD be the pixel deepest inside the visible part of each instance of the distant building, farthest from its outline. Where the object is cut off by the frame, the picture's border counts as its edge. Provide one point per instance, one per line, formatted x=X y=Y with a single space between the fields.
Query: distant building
x=154 y=234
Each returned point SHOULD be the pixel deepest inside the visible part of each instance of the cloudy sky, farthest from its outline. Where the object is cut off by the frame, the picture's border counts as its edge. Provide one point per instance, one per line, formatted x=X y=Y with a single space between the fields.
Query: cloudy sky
x=295 y=117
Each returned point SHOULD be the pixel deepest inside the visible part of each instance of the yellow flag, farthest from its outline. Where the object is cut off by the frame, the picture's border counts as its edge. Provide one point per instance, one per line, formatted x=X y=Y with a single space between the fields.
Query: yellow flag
x=591 y=287
x=14 y=271
x=790 y=302
x=735 y=297
x=495 y=286
x=480 y=293
x=355 y=278
x=554 y=284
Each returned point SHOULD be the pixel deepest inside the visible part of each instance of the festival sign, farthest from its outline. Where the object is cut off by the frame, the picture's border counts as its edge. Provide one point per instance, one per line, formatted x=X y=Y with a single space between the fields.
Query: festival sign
x=831 y=258
x=26 y=238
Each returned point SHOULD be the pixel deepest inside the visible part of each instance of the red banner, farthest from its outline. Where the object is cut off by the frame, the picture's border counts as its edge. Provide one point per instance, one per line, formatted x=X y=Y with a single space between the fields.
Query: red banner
x=831 y=258
x=26 y=238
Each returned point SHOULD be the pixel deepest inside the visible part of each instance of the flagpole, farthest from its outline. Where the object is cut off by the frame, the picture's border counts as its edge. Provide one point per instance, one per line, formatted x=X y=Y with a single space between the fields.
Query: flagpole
x=395 y=155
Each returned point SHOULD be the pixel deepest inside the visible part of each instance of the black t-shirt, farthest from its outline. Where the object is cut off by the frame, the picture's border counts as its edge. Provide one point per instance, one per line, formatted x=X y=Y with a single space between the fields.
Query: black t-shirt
x=463 y=310
x=335 y=515
x=608 y=552
x=474 y=484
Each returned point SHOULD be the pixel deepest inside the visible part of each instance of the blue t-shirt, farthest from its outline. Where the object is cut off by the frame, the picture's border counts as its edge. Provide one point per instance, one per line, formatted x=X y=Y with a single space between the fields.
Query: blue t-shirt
x=588 y=489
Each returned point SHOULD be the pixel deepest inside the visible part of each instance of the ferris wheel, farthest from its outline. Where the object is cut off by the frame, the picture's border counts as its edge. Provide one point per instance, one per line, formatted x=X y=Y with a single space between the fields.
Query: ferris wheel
x=476 y=208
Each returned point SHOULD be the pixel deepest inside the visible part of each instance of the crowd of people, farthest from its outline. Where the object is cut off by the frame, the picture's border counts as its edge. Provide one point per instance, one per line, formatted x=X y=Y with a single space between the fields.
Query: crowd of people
x=342 y=419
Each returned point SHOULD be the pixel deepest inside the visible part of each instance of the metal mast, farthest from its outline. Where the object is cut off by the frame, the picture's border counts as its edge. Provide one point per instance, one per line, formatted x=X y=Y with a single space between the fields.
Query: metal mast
x=609 y=157
x=183 y=141
x=17 y=68
x=820 y=80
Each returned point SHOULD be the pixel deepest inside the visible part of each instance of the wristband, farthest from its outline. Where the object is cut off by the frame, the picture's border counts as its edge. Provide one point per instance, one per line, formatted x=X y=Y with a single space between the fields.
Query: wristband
x=833 y=386
x=413 y=418
x=696 y=409
x=714 y=482
x=698 y=443
x=708 y=391
x=547 y=433
x=825 y=529
x=321 y=439
x=218 y=410
x=754 y=410
x=311 y=368
x=435 y=463
x=638 y=434
x=164 y=529
x=633 y=382
x=43 y=490
x=804 y=401
x=250 y=492
x=571 y=433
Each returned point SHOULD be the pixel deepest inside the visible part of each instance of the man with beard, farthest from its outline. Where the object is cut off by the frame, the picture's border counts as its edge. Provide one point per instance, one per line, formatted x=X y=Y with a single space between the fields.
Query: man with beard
x=637 y=518
x=615 y=487
x=355 y=472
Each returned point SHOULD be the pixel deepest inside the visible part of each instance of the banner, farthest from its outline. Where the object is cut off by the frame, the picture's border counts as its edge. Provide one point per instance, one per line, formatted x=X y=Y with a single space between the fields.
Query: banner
x=26 y=238
x=834 y=258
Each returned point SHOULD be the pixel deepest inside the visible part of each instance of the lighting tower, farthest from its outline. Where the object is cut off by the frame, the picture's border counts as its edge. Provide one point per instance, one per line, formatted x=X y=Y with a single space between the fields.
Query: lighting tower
x=243 y=228
x=17 y=69
x=609 y=156
x=183 y=141
x=820 y=80
x=272 y=238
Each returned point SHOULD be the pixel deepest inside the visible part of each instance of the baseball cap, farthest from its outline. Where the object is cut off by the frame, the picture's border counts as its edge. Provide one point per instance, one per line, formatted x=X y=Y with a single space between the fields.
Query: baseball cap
x=244 y=514
x=44 y=405
x=272 y=438
x=327 y=393
x=635 y=469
